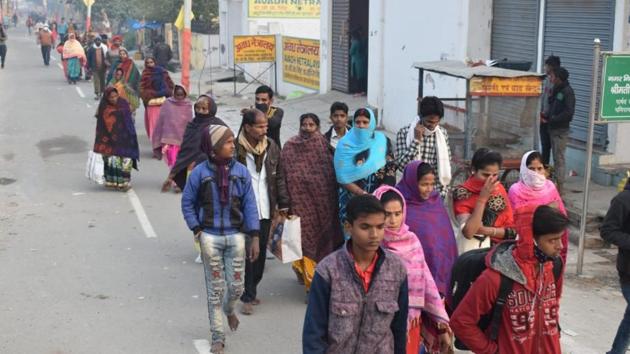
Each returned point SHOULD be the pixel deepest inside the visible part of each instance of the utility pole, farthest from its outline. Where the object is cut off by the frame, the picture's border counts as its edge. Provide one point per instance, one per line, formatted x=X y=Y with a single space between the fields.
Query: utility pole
x=186 y=45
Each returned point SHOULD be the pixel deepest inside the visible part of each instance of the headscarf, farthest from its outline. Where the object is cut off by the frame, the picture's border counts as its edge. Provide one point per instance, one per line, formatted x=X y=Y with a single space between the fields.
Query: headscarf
x=72 y=48
x=531 y=191
x=174 y=116
x=423 y=294
x=211 y=142
x=355 y=142
x=307 y=163
x=115 y=129
x=155 y=82
x=429 y=220
x=131 y=75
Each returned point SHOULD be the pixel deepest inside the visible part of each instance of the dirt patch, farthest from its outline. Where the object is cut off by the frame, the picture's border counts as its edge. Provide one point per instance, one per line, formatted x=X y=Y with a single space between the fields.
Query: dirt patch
x=65 y=144
x=8 y=157
x=4 y=181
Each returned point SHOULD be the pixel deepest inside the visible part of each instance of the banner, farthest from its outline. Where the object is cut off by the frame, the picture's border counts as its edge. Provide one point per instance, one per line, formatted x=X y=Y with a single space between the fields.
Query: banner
x=615 y=101
x=300 y=61
x=254 y=49
x=525 y=86
x=284 y=8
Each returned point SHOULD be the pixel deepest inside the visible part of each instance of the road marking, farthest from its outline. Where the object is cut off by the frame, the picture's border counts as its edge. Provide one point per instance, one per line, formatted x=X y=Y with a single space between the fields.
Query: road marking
x=79 y=91
x=202 y=346
x=141 y=214
x=88 y=105
x=60 y=66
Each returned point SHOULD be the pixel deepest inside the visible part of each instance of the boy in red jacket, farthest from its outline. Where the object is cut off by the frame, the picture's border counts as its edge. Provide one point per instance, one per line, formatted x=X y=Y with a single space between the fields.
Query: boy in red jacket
x=529 y=322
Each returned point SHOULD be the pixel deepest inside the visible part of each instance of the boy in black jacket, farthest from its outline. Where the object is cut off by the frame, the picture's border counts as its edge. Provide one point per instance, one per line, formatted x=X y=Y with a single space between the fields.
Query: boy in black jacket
x=616 y=230
x=560 y=115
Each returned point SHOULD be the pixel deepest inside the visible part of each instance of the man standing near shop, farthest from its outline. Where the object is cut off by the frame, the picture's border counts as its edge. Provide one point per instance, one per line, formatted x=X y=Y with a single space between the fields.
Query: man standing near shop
x=561 y=110
x=545 y=140
x=261 y=156
x=264 y=103
x=426 y=140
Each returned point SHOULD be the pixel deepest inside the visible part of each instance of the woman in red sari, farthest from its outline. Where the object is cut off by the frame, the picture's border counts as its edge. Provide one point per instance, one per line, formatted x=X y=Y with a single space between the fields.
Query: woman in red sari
x=307 y=161
x=481 y=204
x=155 y=87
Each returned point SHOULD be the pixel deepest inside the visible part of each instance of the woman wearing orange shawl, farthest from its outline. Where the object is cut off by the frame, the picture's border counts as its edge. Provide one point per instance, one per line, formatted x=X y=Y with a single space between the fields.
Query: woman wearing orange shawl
x=74 y=56
x=481 y=204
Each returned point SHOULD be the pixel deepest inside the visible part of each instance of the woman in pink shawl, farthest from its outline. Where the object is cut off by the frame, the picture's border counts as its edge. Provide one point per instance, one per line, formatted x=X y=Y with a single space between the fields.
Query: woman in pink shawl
x=427 y=318
x=533 y=190
x=175 y=114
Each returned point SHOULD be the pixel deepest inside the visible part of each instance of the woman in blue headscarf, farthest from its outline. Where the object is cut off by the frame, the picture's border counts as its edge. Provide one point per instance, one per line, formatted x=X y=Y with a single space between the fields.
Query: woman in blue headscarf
x=363 y=161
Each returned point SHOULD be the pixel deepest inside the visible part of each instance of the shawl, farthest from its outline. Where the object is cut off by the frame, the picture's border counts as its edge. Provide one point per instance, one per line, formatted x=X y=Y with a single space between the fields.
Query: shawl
x=430 y=221
x=115 y=130
x=498 y=212
x=73 y=49
x=355 y=142
x=190 y=150
x=155 y=83
x=423 y=294
x=126 y=92
x=441 y=147
x=257 y=151
x=131 y=75
x=307 y=163
x=169 y=130
x=528 y=193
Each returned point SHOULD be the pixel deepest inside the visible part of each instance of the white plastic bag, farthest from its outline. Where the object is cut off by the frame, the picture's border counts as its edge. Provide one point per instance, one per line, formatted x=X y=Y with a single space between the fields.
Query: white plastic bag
x=94 y=168
x=286 y=243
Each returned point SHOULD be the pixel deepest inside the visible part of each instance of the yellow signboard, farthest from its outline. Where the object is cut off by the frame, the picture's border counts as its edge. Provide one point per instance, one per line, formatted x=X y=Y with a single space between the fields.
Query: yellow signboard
x=284 y=8
x=254 y=49
x=506 y=86
x=300 y=61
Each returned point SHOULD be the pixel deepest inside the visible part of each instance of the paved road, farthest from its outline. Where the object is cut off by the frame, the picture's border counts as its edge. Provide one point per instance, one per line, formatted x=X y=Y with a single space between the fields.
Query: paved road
x=78 y=273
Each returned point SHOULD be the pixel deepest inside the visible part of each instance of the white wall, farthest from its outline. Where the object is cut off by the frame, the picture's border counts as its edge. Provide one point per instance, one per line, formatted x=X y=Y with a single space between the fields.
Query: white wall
x=420 y=30
x=325 y=52
x=618 y=133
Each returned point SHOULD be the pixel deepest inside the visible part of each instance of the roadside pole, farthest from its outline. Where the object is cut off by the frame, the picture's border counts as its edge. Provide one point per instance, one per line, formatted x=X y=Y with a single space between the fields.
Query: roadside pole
x=186 y=44
x=88 y=20
x=589 y=154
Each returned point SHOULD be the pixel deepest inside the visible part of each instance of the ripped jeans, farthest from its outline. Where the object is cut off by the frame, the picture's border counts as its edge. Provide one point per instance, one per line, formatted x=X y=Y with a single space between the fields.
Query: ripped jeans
x=224 y=268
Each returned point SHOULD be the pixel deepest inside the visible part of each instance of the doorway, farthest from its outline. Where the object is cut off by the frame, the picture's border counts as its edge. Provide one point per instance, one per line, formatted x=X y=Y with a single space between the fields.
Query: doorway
x=350 y=33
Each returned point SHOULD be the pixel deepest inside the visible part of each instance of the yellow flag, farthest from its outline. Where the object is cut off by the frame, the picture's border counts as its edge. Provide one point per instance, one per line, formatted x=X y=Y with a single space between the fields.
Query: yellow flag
x=179 y=22
x=88 y=2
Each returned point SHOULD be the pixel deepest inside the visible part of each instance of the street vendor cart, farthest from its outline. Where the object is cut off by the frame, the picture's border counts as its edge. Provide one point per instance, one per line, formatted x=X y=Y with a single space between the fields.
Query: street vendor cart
x=501 y=111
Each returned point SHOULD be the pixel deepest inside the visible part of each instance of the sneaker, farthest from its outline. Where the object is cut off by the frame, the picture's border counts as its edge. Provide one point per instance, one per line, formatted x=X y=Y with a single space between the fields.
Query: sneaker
x=198 y=260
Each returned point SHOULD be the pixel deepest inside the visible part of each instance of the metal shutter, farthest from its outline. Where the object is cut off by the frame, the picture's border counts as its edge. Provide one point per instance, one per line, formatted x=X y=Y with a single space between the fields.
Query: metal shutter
x=515 y=30
x=340 y=45
x=570 y=27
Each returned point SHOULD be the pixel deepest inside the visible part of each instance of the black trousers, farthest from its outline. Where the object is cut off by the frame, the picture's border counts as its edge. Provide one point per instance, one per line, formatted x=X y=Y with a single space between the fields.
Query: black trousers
x=545 y=143
x=3 y=53
x=46 y=54
x=254 y=270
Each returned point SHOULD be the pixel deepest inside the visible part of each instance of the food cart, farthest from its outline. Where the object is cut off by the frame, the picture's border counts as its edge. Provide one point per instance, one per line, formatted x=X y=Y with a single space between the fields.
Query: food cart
x=501 y=109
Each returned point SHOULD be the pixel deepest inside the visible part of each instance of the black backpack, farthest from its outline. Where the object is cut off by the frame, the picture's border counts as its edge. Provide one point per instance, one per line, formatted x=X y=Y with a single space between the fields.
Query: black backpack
x=467 y=268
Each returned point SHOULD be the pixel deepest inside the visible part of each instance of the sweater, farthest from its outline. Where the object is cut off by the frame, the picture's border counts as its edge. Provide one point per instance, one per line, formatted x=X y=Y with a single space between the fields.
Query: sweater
x=616 y=230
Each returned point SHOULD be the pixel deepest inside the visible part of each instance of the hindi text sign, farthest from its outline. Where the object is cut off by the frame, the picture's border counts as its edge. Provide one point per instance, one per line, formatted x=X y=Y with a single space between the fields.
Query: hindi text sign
x=300 y=64
x=525 y=86
x=615 y=95
x=254 y=49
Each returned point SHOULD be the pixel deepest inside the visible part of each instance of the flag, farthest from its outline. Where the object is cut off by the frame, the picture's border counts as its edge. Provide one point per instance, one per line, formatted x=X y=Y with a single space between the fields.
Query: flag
x=88 y=2
x=179 y=22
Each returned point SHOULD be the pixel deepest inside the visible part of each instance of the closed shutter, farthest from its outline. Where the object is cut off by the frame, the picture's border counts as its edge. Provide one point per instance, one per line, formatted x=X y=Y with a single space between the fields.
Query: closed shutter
x=570 y=27
x=515 y=30
x=340 y=45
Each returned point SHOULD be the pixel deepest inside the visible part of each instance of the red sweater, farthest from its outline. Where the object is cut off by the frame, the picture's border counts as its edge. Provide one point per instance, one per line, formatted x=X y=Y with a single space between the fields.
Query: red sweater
x=529 y=324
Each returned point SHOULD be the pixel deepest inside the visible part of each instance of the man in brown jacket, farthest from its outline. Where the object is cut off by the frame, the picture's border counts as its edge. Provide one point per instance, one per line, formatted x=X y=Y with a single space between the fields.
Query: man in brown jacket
x=45 y=41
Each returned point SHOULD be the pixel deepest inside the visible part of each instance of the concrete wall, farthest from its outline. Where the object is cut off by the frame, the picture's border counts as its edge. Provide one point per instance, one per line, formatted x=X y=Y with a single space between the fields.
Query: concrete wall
x=407 y=31
x=205 y=51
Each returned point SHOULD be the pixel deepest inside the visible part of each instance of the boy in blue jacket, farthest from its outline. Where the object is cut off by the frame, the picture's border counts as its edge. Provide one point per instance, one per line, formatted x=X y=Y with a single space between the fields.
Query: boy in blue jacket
x=219 y=206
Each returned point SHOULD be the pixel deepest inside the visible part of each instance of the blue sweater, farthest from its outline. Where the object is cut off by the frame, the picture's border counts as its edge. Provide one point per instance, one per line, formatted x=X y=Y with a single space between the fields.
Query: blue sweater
x=202 y=207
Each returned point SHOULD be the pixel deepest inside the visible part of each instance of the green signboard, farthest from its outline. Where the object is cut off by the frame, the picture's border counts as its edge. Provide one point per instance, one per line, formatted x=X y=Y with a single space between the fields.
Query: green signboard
x=615 y=99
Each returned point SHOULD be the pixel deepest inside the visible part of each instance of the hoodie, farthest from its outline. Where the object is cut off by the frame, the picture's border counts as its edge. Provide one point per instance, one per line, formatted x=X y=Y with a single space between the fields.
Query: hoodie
x=530 y=318
x=616 y=230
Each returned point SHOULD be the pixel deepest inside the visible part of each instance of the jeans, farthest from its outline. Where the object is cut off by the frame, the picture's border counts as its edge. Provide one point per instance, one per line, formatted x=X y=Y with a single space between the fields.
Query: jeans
x=46 y=54
x=622 y=339
x=545 y=143
x=559 y=139
x=3 y=53
x=254 y=270
x=223 y=265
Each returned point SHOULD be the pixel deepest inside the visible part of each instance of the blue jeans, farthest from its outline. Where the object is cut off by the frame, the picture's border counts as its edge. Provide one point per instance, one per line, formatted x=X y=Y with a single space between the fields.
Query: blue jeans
x=622 y=339
x=224 y=268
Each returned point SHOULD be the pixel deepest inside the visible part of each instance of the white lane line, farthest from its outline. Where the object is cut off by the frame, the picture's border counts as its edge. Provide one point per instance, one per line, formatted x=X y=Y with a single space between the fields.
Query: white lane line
x=60 y=66
x=88 y=105
x=202 y=346
x=80 y=92
x=141 y=214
